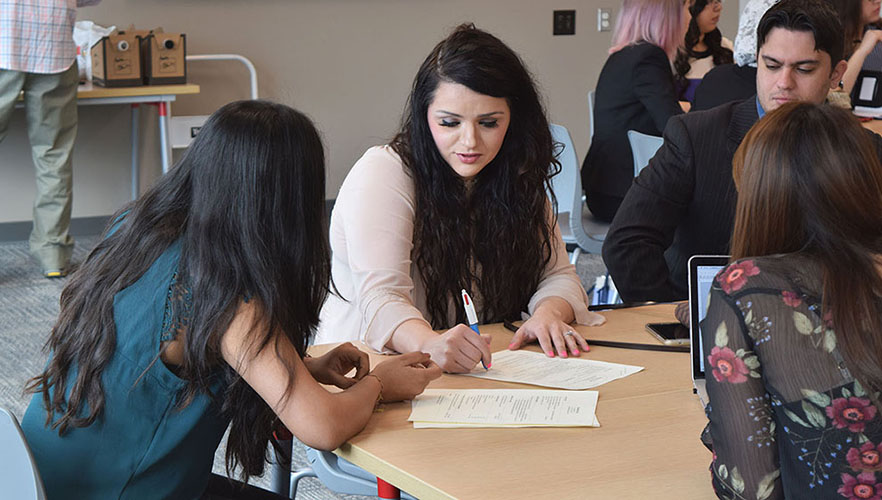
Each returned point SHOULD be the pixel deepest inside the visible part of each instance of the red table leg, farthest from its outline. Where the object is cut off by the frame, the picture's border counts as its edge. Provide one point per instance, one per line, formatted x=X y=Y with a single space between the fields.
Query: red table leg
x=386 y=490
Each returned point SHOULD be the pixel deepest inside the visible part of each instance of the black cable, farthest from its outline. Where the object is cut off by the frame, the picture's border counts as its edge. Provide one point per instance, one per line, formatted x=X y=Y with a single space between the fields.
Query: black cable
x=624 y=305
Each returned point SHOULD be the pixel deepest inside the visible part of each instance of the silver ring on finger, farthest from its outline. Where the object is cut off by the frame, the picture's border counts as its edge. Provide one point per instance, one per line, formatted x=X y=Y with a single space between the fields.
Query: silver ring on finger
x=570 y=333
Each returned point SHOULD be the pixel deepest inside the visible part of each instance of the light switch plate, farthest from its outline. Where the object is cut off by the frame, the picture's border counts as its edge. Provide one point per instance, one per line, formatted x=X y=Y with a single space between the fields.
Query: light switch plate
x=604 y=19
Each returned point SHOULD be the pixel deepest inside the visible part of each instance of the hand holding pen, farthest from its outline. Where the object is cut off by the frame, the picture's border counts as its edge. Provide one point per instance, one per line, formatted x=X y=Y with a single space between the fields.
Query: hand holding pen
x=472 y=317
x=458 y=349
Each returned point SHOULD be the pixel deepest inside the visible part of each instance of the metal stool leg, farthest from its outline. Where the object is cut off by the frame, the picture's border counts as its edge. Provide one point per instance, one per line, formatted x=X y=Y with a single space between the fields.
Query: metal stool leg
x=135 y=158
x=280 y=469
x=297 y=476
x=576 y=252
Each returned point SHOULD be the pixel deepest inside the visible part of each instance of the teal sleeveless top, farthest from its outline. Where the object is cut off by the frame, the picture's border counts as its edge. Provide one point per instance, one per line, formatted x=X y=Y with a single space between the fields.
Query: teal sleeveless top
x=143 y=445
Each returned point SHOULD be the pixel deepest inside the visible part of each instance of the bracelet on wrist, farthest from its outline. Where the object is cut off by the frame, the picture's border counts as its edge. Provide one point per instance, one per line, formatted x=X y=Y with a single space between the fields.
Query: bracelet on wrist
x=379 y=394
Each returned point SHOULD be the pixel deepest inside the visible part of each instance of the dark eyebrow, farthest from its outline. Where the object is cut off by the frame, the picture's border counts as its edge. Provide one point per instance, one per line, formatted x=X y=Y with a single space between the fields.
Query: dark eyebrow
x=772 y=60
x=485 y=115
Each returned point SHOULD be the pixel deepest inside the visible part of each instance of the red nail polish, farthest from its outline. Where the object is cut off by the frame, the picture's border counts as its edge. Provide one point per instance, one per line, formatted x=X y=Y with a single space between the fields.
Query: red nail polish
x=550 y=354
x=576 y=352
x=489 y=365
x=563 y=354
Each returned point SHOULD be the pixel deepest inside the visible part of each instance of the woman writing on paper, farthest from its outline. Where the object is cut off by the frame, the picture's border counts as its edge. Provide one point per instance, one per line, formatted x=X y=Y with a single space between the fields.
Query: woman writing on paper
x=456 y=201
x=193 y=314
x=792 y=330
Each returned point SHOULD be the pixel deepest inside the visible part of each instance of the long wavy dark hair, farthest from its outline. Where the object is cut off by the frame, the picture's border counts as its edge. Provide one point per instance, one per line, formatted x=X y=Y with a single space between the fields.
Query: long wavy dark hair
x=246 y=202
x=713 y=40
x=809 y=182
x=497 y=234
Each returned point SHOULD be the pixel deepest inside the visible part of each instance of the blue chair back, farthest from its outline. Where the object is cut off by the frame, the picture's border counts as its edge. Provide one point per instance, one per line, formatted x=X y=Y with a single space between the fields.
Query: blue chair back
x=577 y=225
x=19 y=476
x=643 y=147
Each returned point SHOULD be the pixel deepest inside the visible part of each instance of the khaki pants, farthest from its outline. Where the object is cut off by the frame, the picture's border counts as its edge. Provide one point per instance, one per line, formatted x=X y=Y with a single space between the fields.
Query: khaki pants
x=51 y=110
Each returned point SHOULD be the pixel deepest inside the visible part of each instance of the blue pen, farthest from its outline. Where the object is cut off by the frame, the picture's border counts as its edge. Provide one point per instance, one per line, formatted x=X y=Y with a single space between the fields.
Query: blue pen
x=471 y=315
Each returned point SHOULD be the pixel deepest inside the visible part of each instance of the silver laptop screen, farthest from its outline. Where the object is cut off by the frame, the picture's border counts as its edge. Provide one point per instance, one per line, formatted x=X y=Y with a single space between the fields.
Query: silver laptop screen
x=702 y=270
x=706 y=276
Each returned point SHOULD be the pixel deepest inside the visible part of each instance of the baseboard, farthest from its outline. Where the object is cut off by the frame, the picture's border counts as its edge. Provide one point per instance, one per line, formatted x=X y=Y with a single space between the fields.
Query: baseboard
x=79 y=226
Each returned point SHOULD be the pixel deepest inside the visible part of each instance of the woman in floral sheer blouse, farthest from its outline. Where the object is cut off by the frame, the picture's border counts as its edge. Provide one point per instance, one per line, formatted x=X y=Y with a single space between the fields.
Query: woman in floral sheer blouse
x=793 y=333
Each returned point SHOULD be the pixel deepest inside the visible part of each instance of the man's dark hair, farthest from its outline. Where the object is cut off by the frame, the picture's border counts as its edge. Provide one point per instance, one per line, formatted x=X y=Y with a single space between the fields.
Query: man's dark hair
x=815 y=16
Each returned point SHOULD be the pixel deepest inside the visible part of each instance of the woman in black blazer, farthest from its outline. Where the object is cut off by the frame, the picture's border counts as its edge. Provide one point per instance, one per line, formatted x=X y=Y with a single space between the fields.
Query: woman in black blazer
x=635 y=91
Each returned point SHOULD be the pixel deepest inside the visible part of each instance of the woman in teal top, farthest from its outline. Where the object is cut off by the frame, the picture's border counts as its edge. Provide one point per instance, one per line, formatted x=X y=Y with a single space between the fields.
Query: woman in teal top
x=194 y=314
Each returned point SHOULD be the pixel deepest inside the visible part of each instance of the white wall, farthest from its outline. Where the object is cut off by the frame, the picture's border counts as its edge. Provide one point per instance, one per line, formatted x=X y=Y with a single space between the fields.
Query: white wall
x=347 y=63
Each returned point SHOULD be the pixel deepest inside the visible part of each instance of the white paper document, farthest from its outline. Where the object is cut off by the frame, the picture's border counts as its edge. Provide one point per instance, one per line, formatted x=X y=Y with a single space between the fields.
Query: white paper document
x=535 y=368
x=503 y=408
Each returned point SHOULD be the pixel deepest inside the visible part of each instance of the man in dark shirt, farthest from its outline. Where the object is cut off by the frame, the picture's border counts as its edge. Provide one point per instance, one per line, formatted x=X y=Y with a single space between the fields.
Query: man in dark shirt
x=683 y=203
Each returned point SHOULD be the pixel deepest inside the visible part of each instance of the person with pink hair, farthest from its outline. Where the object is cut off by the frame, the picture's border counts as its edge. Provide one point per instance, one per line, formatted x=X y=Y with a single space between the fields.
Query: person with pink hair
x=635 y=91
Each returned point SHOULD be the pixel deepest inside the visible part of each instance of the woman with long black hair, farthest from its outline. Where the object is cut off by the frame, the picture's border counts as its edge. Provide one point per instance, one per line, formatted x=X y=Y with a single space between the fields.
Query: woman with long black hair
x=456 y=201
x=704 y=47
x=193 y=314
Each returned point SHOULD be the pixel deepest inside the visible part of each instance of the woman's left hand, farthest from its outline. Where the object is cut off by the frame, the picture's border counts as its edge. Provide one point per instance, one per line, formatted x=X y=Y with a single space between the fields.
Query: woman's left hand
x=552 y=332
x=331 y=369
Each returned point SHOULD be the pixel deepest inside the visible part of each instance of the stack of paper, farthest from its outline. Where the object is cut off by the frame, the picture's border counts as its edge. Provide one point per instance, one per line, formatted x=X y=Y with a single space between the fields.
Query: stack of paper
x=535 y=368
x=445 y=408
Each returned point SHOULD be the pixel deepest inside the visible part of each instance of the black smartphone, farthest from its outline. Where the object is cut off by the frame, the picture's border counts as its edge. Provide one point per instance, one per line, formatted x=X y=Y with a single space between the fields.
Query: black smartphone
x=669 y=333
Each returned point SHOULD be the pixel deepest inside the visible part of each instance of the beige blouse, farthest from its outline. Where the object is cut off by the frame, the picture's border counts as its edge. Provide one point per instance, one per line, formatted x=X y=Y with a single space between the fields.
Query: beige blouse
x=371 y=240
x=699 y=67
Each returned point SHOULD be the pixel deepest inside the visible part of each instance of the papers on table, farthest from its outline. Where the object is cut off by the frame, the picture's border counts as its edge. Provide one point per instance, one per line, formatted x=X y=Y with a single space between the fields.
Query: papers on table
x=503 y=408
x=538 y=369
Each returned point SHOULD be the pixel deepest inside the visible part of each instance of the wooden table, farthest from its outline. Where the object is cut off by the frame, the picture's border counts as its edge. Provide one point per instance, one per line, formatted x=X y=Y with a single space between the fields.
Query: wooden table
x=647 y=446
x=874 y=125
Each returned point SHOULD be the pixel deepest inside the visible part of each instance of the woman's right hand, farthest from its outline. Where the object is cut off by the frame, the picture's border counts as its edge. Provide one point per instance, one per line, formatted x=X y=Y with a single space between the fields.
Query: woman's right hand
x=404 y=377
x=458 y=349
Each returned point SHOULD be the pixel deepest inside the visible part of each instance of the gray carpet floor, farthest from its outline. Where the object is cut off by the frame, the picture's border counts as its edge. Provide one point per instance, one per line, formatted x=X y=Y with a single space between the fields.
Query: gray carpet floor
x=29 y=306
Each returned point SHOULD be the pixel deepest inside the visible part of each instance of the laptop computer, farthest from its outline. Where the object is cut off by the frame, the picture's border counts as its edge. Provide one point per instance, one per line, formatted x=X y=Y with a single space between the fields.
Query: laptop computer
x=702 y=270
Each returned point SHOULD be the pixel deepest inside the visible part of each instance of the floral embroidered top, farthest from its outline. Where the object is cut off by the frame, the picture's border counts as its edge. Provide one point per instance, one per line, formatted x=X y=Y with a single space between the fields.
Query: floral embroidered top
x=786 y=417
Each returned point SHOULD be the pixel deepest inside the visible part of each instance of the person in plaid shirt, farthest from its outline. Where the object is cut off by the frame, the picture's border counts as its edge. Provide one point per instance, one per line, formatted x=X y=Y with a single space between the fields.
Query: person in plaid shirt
x=38 y=56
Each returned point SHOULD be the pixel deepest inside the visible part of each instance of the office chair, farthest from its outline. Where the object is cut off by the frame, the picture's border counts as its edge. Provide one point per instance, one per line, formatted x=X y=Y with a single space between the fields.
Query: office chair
x=337 y=474
x=583 y=230
x=643 y=147
x=19 y=476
